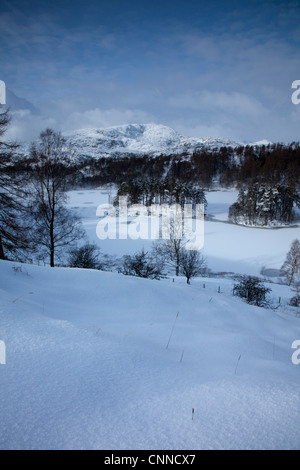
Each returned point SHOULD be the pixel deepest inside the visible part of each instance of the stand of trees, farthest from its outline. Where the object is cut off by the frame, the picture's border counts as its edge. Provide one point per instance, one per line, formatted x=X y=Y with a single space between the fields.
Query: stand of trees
x=262 y=204
x=160 y=191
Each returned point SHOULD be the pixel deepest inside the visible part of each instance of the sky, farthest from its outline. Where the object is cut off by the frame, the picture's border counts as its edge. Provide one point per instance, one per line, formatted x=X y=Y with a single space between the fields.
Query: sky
x=205 y=68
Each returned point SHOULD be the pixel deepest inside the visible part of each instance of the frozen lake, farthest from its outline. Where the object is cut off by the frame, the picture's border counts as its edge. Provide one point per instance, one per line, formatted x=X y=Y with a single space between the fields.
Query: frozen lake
x=227 y=247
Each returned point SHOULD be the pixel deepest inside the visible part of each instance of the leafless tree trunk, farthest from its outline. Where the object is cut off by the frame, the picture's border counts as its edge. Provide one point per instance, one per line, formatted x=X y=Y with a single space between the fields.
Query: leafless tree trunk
x=192 y=263
x=56 y=227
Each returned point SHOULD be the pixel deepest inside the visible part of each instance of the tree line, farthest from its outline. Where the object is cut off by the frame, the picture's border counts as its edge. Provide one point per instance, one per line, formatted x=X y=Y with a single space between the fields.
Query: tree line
x=226 y=166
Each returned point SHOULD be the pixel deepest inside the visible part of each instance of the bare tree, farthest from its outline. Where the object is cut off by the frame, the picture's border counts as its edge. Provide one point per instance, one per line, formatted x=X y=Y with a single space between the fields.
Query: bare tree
x=171 y=248
x=56 y=226
x=192 y=264
x=291 y=266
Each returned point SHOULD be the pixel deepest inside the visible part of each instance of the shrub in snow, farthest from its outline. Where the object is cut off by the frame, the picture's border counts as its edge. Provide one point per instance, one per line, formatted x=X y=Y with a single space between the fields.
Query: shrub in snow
x=295 y=301
x=86 y=256
x=252 y=290
x=141 y=265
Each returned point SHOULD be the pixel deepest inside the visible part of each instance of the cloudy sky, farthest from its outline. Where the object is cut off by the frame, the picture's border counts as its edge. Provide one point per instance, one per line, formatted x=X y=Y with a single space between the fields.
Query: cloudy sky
x=204 y=68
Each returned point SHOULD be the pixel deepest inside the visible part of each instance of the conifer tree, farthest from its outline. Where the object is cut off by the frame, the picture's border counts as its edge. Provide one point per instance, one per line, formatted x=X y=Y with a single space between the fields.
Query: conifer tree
x=13 y=230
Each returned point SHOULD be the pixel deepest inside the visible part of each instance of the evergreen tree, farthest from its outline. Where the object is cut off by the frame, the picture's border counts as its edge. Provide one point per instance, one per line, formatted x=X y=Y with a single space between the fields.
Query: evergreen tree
x=14 y=231
x=252 y=290
x=264 y=203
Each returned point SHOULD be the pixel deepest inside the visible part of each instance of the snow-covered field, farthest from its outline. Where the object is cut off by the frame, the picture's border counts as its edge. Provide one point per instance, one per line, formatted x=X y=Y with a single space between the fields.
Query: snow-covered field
x=98 y=360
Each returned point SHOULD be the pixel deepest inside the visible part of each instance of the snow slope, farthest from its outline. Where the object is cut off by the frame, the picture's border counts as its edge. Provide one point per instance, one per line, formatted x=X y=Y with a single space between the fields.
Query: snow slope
x=87 y=365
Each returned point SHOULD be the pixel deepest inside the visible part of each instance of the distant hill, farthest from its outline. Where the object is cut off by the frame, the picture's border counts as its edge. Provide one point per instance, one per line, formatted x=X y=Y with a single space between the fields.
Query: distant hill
x=138 y=139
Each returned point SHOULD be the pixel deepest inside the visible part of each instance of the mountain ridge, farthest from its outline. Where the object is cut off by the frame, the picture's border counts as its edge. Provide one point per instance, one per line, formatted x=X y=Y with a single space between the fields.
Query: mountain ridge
x=137 y=140
x=140 y=139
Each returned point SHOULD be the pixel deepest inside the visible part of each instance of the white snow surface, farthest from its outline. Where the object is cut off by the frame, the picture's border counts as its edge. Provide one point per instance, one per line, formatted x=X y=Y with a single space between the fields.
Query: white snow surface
x=98 y=360
x=262 y=142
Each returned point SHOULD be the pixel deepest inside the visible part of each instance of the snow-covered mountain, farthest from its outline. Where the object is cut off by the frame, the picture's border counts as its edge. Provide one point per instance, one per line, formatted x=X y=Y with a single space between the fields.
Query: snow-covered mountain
x=138 y=139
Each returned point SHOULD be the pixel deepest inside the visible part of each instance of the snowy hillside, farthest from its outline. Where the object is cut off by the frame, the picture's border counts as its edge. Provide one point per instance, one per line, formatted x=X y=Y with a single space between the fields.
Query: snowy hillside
x=88 y=367
x=99 y=360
